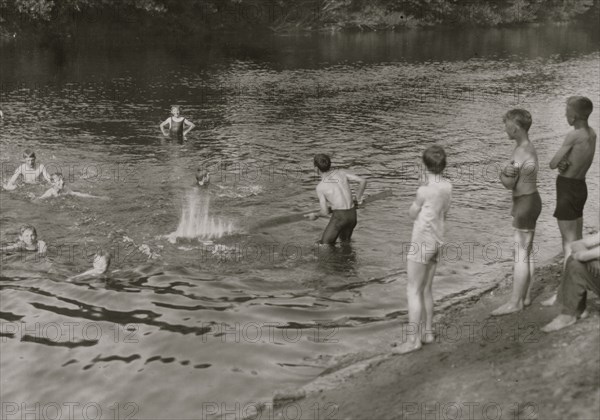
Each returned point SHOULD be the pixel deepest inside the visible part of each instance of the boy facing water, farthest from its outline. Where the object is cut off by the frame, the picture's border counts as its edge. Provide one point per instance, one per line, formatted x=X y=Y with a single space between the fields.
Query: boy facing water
x=335 y=190
x=573 y=160
x=29 y=170
x=176 y=124
x=429 y=213
x=520 y=176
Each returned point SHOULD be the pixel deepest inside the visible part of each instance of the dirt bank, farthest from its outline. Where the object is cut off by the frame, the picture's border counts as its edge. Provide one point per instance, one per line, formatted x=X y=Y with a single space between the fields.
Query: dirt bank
x=479 y=368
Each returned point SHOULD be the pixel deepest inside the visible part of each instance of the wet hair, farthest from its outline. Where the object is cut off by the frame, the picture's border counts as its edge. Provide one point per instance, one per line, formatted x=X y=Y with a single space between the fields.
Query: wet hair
x=200 y=174
x=582 y=106
x=322 y=162
x=434 y=158
x=519 y=116
x=28 y=227
x=27 y=153
x=56 y=175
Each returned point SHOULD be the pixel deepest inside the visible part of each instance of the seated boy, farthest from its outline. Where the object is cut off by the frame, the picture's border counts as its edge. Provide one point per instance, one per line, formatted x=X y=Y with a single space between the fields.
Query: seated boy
x=27 y=241
x=520 y=176
x=573 y=160
x=100 y=266
x=429 y=213
x=58 y=188
x=29 y=170
x=335 y=190
x=582 y=272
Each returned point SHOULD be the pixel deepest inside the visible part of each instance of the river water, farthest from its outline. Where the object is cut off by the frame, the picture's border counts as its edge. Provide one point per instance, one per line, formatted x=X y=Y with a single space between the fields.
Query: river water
x=189 y=327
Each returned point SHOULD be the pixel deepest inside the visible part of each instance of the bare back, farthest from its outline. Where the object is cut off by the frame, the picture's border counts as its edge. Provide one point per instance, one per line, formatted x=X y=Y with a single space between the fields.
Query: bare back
x=336 y=190
x=581 y=154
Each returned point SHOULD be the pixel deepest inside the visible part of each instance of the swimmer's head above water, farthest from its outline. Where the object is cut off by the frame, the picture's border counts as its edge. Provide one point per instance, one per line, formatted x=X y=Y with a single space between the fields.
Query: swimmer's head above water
x=29 y=157
x=202 y=178
x=58 y=181
x=28 y=235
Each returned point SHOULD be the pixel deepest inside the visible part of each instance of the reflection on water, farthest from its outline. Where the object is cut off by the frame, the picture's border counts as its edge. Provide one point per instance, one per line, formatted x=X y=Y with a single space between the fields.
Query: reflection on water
x=179 y=325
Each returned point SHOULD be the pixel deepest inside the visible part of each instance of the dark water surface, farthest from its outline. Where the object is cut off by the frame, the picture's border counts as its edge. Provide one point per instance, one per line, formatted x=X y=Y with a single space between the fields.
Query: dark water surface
x=229 y=320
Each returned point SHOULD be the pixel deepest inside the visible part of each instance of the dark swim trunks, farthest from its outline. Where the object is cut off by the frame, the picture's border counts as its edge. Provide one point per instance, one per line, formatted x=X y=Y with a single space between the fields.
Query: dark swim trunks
x=525 y=211
x=571 y=195
x=341 y=224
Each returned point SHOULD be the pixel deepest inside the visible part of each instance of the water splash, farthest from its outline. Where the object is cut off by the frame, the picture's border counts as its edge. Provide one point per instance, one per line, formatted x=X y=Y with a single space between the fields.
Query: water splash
x=196 y=221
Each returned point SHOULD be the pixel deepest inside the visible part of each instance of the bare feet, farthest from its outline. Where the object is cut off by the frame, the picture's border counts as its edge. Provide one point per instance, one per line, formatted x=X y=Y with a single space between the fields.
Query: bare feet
x=550 y=301
x=584 y=314
x=527 y=301
x=560 y=322
x=428 y=337
x=407 y=347
x=507 y=308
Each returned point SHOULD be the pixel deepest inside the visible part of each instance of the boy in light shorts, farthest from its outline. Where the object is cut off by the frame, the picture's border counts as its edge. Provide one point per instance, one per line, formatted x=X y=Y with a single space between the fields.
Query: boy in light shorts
x=429 y=213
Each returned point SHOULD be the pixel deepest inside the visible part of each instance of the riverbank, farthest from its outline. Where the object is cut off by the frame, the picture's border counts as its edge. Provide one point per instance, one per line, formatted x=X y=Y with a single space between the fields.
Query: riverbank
x=479 y=367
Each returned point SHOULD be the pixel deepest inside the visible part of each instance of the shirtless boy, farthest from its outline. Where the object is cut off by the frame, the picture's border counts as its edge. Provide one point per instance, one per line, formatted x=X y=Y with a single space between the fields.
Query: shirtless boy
x=176 y=124
x=429 y=213
x=335 y=190
x=58 y=188
x=100 y=266
x=573 y=160
x=520 y=176
x=27 y=241
x=29 y=170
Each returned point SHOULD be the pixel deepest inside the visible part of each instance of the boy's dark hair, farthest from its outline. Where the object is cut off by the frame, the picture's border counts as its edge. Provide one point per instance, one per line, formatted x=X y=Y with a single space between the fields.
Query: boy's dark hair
x=57 y=175
x=28 y=153
x=582 y=106
x=322 y=162
x=434 y=158
x=28 y=227
x=519 y=116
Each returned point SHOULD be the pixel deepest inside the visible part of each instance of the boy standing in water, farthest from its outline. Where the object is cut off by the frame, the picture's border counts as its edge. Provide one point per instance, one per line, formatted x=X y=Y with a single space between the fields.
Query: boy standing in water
x=429 y=213
x=335 y=190
x=520 y=176
x=29 y=170
x=573 y=160
x=176 y=124
x=27 y=241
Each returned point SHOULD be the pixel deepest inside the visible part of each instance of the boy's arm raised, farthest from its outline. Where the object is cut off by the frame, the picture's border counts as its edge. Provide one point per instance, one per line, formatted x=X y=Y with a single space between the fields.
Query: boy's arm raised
x=164 y=124
x=362 y=185
x=563 y=151
x=190 y=126
x=45 y=173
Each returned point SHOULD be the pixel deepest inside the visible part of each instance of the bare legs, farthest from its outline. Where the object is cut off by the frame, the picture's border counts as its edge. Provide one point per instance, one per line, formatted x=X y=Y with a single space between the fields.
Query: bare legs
x=420 y=307
x=571 y=231
x=522 y=275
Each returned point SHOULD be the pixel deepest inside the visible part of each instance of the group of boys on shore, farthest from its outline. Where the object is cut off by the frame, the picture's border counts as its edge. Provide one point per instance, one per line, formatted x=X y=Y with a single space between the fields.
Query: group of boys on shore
x=429 y=211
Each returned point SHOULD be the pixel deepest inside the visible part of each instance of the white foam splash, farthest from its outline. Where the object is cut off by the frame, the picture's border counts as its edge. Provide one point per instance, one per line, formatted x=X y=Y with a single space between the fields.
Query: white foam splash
x=196 y=221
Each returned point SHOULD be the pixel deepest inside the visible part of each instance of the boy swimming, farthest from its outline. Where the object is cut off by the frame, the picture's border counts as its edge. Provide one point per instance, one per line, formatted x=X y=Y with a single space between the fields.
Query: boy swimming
x=58 y=188
x=202 y=178
x=335 y=190
x=520 y=176
x=429 y=213
x=27 y=241
x=573 y=160
x=29 y=170
x=100 y=266
x=176 y=125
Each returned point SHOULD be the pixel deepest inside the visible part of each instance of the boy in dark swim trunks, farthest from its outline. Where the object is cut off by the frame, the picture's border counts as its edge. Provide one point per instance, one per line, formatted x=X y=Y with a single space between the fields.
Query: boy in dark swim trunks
x=176 y=125
x=573 y=160
x=520 y=176
x=335 y=190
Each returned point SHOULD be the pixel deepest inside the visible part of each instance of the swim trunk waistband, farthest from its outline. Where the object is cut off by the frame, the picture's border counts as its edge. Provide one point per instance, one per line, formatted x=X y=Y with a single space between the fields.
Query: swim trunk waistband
x=526 y=210
x=571 y=195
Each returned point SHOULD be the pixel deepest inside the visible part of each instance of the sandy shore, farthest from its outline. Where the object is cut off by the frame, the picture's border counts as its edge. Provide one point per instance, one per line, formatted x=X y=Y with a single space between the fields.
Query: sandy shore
x=480 y=367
